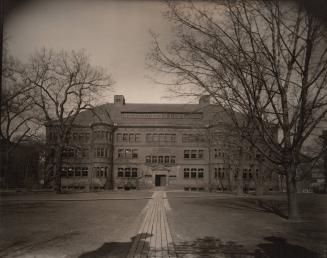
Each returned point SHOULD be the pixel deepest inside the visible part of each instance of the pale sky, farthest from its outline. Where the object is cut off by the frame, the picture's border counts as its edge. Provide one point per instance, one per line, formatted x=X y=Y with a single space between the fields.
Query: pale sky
x=114 y=33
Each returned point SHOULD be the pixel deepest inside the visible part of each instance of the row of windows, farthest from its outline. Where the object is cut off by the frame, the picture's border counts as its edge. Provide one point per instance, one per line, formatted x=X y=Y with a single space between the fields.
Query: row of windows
x=193 y=173
x=161 y=115
x=219 y=153
x=102 y=135
x=77 y=153
x=101 y=152
x=74 y=171
x=100 y=171
x=220 y=173
x=127 y=153
x=83 y=171
x=160 y=137
x=83 y=137
x=193 y=154
x=127 y=172
x=128 y=137
x=193 y=138
x=160 y=159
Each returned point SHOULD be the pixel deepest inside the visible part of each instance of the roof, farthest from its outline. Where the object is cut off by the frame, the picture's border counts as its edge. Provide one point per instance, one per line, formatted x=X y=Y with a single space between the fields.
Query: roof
x=138 y=114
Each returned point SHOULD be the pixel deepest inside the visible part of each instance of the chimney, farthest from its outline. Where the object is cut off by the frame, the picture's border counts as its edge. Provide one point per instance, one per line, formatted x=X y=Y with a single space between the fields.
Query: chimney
x=119 y=99
x=204 y=100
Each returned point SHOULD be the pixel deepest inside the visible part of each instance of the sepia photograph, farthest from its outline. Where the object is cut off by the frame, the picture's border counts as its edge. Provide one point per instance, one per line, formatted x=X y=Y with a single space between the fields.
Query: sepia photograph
x=161 y=128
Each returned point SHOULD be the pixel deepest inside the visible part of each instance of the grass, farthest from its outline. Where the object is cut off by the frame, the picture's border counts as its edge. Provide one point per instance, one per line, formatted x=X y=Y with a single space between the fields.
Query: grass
x=253 y=226
x=68 y=229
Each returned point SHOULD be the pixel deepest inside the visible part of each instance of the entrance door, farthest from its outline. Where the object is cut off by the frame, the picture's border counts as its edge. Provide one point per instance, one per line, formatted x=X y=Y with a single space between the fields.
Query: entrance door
x=160 y=180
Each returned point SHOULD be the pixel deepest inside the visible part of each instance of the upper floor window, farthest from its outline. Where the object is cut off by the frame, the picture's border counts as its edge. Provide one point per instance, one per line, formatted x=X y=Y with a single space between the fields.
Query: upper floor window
x=101 y=152
x=68 y=153
x=219 y=153
x=102 y=135
x=127 y=172
x=79 y=137
x=160 y=159
x=100 y=171
x=220 y=173
x=194 y=173
x=193 y=154
x=128 y=137
x=193 y=138
x=74 y=171
x=160 y=137
x=127 y=153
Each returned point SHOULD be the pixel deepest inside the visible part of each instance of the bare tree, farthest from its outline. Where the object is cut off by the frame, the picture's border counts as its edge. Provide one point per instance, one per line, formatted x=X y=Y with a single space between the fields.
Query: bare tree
x=64 y=84
x=18 y=123
x=263 y=62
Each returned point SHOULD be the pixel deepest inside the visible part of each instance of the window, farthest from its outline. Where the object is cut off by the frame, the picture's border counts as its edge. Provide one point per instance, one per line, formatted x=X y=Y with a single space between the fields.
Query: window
x=85 y=152
x=119 y=137
x=160 y=159
x=77 y=171
x=100 y=171
x=134 y=172
x=154 y=159
x=172 y=159
x=85 y=171
x=125 y=137
x=100 y=152
x=120 y=172
x=166 y=159
x=128 y=153
x=186 y=154
x=193 y=172
x=160 y=137
x=186 y=172
x=121 y=153
x=131 y=137
x=148 y=159
x=137 y=137
x=193 y=154
x=200 y=173
x=64 y=171
x=68 y=153
x=127 y=172
x=134 y=154
x=70 y=172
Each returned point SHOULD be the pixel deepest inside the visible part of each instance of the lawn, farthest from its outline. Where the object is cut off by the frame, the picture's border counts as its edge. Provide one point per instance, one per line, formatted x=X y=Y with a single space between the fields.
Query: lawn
x=210 y=226
x=98 y=228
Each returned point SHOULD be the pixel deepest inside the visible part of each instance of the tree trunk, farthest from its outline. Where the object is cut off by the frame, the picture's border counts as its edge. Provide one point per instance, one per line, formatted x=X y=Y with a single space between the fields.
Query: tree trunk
x=259 y=189
x=293 y=213
x=58 y=167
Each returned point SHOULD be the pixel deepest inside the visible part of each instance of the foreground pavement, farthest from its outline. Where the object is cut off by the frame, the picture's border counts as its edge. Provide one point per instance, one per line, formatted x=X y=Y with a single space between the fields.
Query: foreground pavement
x=159 y=224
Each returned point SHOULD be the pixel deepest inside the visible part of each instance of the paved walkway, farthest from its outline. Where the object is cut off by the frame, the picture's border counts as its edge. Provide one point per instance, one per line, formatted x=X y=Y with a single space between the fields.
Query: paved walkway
x=154 y=238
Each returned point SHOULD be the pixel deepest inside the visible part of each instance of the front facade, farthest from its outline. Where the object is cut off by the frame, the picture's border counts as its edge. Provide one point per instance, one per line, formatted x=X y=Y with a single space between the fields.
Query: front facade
x=142 y=146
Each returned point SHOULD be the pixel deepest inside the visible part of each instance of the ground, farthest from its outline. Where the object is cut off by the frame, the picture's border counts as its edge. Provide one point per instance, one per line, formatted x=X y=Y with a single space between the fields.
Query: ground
x=201 y=225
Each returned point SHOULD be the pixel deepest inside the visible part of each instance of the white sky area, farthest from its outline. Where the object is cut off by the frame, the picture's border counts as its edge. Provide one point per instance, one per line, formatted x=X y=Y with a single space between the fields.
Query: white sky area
x=114 y=33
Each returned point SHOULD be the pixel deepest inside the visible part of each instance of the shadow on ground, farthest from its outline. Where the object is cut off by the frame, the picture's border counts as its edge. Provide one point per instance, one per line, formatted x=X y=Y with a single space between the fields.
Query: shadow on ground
x=116 y=249
x=273 y=247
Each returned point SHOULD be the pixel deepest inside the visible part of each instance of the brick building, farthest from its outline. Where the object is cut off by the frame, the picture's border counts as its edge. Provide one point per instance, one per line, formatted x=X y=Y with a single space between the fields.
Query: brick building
x=138 y=146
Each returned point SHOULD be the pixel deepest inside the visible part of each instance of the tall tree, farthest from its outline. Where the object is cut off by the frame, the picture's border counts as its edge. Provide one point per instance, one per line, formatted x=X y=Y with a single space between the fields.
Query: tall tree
x=64 y=84
x=18 y=121
x=263 y=61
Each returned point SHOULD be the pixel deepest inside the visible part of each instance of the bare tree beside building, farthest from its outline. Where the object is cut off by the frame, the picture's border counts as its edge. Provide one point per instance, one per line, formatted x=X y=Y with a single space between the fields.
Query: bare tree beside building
x=64 y=84
x=18 y=120
x=263 y=60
